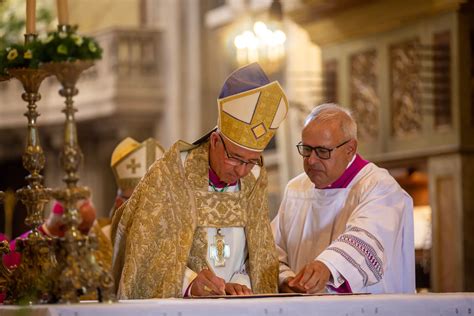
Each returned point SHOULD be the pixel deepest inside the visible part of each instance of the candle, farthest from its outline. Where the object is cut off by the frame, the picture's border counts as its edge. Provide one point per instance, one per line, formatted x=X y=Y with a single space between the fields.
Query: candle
x=30 y=16
x=63 y=15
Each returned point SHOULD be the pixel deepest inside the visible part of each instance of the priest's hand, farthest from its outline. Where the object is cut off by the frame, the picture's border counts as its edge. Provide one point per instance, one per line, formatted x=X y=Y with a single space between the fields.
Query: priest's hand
x=207 y=283
x=285 y=288
x=312 y=278
x=55 y=225
x=237 y=289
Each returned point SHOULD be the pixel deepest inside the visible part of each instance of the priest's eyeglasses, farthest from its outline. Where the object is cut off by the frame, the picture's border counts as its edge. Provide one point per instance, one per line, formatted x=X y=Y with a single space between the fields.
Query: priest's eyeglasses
x=235 y=161
x=321 y=152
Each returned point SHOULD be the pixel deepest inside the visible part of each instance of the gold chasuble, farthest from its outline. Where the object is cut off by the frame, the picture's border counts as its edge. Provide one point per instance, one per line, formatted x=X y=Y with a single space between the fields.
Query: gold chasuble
x=162 y=227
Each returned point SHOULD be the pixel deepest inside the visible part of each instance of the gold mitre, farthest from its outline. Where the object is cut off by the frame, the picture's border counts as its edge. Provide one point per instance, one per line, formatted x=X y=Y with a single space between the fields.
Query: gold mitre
x=251 y=108
x=130 y=160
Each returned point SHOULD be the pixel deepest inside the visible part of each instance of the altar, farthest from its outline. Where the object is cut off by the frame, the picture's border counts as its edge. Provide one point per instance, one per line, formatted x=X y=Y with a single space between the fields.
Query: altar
x=334 y=305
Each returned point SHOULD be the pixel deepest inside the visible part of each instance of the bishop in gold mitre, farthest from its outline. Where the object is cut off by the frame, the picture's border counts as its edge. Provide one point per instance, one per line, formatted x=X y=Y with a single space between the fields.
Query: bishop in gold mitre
x=130 y=161
x=197 y=224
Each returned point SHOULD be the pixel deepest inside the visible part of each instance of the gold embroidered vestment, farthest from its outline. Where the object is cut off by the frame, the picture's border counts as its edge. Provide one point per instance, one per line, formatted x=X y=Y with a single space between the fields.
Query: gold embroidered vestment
x=162 y=228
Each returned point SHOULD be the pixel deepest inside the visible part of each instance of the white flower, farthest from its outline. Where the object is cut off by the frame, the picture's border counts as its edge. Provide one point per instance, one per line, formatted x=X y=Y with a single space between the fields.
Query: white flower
x=48 y=39
x=62 y=35
x=77 y=39
x=92 y=47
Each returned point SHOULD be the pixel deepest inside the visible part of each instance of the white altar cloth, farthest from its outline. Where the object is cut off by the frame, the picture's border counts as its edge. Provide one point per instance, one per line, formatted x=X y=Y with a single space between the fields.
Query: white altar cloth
x=455 y=304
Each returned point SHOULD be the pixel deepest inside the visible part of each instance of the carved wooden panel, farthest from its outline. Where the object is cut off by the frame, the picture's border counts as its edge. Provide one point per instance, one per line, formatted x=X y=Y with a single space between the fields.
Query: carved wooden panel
x=365 y=102
x=442 y=78
x=330 y=81
x=448 y=275
x=405 y=91
x=472 y=77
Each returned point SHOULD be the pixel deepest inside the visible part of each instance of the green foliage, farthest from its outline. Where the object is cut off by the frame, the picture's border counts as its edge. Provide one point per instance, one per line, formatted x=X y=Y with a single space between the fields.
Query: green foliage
x=21 y=56
x=57 y=46
x=2 y=65
x=69 y=46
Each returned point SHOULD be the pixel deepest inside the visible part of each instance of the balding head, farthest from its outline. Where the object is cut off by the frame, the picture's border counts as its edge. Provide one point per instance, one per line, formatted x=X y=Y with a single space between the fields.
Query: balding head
x=328 y=143
x=335 y=113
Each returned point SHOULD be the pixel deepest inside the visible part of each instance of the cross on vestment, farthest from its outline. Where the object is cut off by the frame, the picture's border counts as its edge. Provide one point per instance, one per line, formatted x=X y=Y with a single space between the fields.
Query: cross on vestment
x=219 y=251
x=133 y=165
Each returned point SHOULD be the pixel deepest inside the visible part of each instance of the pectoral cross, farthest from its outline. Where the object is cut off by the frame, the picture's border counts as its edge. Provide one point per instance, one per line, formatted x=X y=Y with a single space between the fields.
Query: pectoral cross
x=219 y=251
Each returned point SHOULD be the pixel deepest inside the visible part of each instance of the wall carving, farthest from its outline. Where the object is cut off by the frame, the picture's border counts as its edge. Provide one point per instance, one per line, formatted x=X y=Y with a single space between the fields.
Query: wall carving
x=330 y=81
x=472 y=76
x=405 y=90
x=442 y=78
x=365 y=101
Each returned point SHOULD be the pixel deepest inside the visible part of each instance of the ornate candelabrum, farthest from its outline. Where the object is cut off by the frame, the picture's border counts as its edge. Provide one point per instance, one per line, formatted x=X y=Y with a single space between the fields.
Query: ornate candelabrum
x=80 y=273
x=31 y=282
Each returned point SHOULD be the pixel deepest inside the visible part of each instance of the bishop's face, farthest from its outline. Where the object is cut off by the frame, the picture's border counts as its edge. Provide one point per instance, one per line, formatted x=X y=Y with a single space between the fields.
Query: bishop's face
x=327 y=135
x=229 y=161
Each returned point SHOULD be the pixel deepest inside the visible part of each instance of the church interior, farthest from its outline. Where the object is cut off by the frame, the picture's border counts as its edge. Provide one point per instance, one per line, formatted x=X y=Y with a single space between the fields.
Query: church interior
x=404 y=68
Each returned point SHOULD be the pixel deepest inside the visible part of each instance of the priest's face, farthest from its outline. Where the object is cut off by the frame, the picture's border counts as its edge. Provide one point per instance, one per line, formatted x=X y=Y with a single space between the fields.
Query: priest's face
x=327 y=138
x=229 y=161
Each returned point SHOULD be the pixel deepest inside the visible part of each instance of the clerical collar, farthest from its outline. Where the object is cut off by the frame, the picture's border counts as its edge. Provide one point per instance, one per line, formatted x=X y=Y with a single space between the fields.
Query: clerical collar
x=351 y=171
x=216 y=182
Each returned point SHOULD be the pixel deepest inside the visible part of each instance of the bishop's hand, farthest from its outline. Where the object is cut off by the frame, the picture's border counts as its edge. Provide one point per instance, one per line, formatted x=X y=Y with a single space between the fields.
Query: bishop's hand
x=237 y=289
x=207 y=283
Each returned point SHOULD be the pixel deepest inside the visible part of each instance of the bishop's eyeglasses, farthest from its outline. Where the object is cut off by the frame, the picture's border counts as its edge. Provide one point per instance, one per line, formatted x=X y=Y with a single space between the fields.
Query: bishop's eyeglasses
x=235 y=161
x=321 y=152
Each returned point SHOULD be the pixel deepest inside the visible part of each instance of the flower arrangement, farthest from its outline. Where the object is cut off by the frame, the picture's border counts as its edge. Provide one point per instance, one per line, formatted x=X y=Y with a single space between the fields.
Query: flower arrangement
x=20 y=56
x=56 y=47
x=3 y=73
x=69 y=46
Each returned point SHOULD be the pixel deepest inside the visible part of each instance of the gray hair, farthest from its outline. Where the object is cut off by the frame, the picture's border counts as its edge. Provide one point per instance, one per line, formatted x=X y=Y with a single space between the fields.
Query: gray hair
x=332 y=111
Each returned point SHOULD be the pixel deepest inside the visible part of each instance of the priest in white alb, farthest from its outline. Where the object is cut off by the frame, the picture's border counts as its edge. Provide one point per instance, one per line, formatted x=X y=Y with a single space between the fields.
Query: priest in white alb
x=345 y=225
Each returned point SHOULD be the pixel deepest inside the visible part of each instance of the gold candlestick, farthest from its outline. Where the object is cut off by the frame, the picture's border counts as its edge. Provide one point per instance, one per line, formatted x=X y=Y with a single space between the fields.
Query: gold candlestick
x=34 y=195
x=81 y=273
x=31 y=282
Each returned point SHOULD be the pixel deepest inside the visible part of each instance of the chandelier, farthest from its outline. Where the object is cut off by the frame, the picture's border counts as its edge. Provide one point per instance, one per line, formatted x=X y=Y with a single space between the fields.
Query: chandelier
x=263 y=42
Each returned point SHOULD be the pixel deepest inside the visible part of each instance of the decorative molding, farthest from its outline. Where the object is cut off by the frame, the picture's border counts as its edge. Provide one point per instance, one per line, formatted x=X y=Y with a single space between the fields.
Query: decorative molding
x=334 y=21
x=312 y=10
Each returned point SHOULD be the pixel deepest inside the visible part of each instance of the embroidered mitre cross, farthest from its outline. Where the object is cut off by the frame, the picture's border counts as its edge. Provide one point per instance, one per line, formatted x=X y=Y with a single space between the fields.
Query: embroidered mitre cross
x=219 y=251
x=133 y=165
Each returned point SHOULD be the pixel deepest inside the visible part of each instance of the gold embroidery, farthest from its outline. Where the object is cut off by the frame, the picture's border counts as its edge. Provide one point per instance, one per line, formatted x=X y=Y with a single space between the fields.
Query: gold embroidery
x=197 y=256
x=157 y=233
